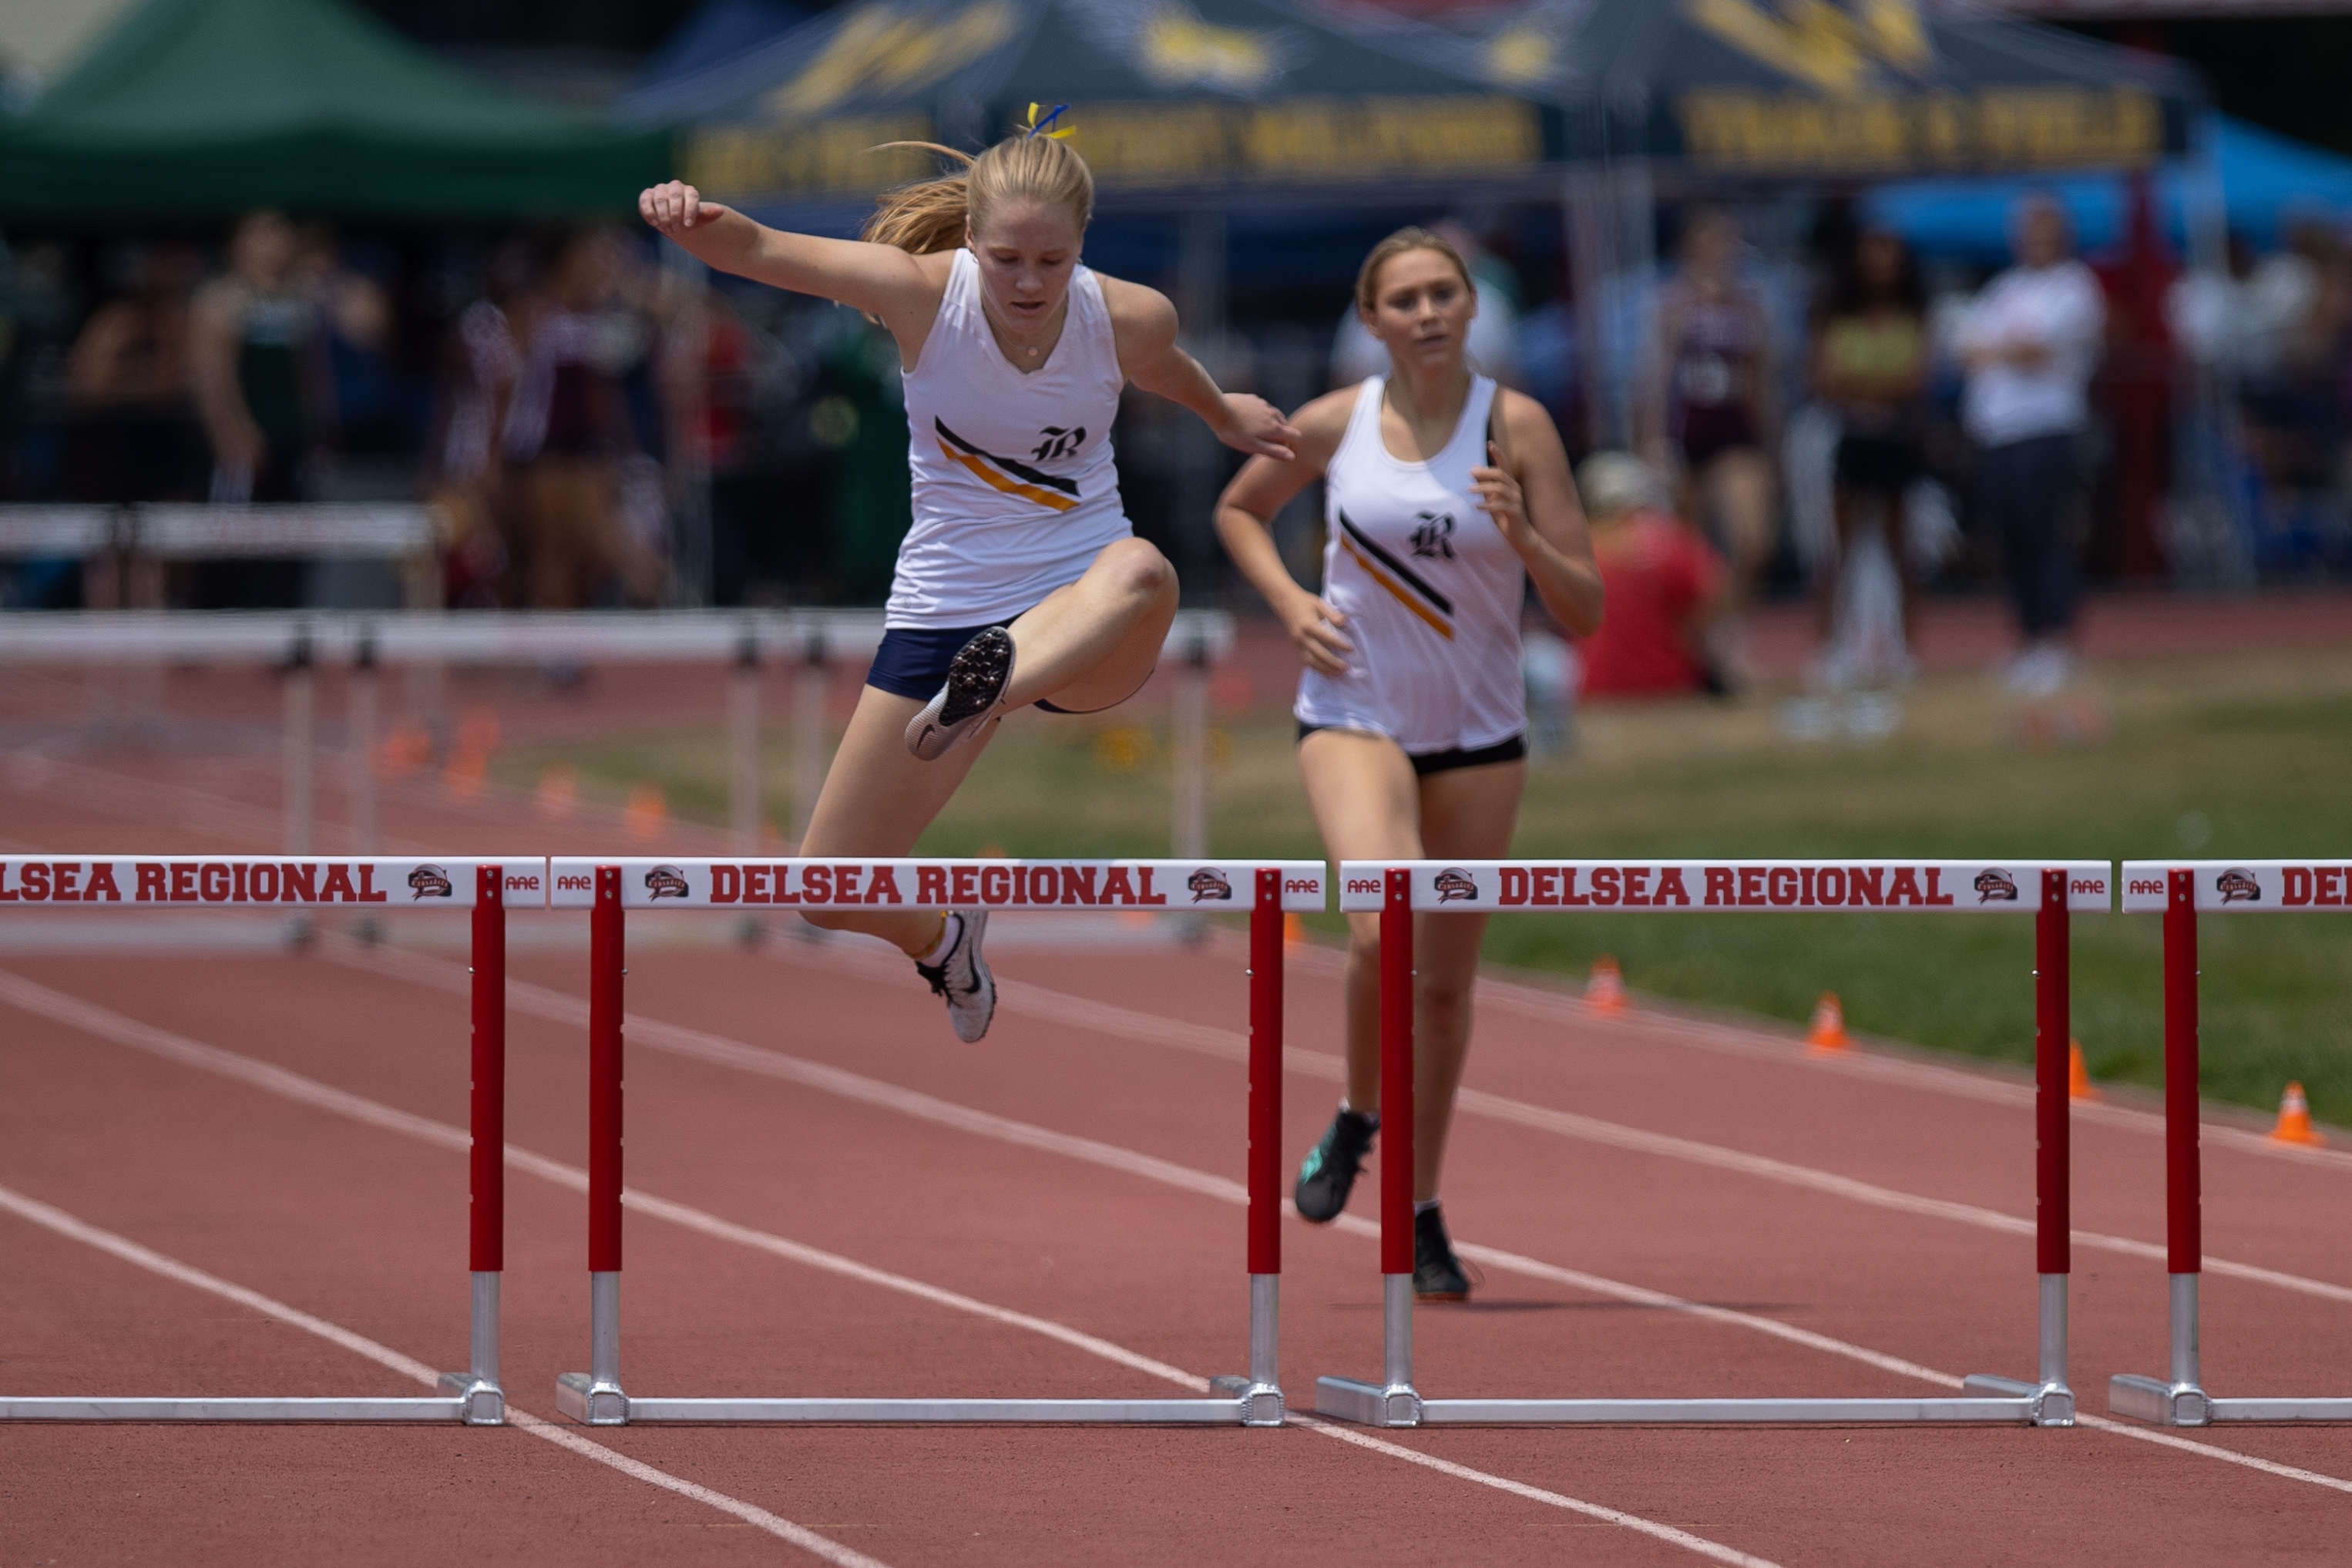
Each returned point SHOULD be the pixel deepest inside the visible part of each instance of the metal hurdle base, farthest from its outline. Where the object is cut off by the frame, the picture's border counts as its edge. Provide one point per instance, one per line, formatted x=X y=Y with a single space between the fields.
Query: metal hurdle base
x=2186 y=1404
x=595 y=1399
x=474 y=1399
x=1983 y=1398
x=2181 y=1400
x=1995 y=1400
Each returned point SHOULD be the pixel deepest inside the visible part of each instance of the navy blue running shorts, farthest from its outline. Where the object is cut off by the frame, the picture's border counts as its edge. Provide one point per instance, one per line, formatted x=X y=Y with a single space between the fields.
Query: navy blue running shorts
x=913 y=660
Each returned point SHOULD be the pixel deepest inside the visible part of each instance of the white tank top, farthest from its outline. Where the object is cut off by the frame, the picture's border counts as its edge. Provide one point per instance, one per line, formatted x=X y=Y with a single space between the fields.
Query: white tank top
x=1431 y=591
x=1015 y=492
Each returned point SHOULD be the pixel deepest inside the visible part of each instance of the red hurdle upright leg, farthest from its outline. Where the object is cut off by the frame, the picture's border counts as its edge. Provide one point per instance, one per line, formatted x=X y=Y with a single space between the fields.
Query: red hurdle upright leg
x=1262 y=1393
x=487 y=1166
x=2177 y=1399
x=1396 y=1129
x=2183 y=1195
x=1392 y=1401
x=2054 y=1151
x=595 y=1396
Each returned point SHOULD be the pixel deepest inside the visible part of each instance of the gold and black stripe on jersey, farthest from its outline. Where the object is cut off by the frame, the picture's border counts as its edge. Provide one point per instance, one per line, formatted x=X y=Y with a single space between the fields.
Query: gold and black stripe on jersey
x=1014 y=478
x=1404 y=585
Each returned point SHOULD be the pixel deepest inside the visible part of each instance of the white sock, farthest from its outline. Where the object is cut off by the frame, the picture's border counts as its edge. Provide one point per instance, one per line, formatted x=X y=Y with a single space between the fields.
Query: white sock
x=950 y=931
x=1421 y=1206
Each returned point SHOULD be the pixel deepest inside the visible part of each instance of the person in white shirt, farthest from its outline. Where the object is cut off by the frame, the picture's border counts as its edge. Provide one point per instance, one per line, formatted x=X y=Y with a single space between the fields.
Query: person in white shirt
x=2029 y=344
x=1020 y=581
x=1446 y=497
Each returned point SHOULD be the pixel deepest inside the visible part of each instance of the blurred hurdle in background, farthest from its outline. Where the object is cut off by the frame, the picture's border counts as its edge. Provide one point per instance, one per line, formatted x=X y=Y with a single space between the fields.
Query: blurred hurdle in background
x=1396 y=890
x=610 y=888
x=489 y=888
x=124 y=549
x=2183 y=890
x=742 y=644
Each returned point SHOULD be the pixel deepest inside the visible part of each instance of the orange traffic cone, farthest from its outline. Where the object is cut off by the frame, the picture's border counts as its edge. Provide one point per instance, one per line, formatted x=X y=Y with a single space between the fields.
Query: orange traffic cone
x=2078 y=1074
x=2294 y=1119
x=647 y=811
x=1604 y=992
x=1827 y=1032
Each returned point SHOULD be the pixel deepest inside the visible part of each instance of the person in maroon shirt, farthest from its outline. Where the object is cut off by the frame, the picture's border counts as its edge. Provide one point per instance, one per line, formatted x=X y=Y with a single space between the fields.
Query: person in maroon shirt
x=1665 y=585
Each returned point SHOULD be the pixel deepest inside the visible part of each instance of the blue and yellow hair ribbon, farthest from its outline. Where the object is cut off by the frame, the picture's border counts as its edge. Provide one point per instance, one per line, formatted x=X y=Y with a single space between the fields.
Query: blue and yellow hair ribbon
x=1036 y=126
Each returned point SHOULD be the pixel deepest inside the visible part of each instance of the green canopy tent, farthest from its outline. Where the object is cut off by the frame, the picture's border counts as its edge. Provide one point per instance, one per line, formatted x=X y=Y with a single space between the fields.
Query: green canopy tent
x=203 y=108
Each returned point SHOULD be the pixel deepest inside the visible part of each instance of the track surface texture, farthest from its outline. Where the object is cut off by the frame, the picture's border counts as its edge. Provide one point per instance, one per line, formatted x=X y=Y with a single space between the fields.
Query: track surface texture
x=816 y=1162
x=232 y=1168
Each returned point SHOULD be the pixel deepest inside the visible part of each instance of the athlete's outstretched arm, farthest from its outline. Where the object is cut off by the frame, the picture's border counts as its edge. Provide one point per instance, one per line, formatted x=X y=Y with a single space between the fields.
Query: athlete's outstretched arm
x=879 y=279
x=1528 y=493
x=1143 y=323
x=1246 y=522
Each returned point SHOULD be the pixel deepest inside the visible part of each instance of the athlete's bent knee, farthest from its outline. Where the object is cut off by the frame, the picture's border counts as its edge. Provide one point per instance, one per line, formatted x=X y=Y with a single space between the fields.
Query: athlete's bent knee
x=828 y=919
x=1137 y=567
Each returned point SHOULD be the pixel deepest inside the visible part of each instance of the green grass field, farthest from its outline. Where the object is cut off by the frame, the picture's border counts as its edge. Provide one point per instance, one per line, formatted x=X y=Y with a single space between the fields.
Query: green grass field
x=2242 y=758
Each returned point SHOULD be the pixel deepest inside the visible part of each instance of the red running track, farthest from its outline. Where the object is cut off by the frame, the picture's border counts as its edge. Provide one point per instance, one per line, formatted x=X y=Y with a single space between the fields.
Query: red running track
x=1081 y=1168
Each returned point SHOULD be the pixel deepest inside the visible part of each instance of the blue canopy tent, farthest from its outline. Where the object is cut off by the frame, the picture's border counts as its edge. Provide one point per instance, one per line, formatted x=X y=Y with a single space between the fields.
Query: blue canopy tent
x=719 y=31
x=2266 y=180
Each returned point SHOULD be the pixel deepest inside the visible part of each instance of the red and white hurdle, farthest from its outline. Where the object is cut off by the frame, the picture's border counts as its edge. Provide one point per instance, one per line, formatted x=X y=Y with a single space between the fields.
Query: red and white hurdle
x=2183 y=891
x=611 y=888
x=1396 y=890
x=375 y=885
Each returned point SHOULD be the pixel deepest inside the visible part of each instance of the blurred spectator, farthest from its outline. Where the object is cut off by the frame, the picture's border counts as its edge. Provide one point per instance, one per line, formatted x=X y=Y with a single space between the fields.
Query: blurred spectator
x=567 y=432
x=2029 y=344
x=253 y=353
x=1493 y=339
x=464 y=458
x=1708 y=409
x=256 y=358
x=1666 y=585
x=2298 y=307
x=1869 y=366
x=355 y=322
x=131 y=431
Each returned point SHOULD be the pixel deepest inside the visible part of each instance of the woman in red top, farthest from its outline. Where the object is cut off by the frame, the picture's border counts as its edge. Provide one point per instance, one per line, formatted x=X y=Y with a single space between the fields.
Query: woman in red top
x=1664 y=583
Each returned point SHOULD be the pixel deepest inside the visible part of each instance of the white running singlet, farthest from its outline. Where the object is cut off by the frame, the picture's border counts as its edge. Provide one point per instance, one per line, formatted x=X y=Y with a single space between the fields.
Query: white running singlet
x=1431 y=590
x=1015 y=492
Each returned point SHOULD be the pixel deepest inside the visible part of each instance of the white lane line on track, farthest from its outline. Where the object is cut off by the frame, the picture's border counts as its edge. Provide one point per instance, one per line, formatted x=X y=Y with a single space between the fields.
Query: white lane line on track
x=1109 y=1018
x=37 y=998
x=109 y=1025
x=1728 y=1038
x=51 y=1218
x=1083 y=1012
x=1667 y=1533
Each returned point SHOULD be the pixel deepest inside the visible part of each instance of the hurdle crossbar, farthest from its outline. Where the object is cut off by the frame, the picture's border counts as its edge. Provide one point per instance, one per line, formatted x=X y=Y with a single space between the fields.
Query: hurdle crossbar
x=485 y=888
x=2182 y=890
x=611 y=888
x=743 y=641
x=1396 y=890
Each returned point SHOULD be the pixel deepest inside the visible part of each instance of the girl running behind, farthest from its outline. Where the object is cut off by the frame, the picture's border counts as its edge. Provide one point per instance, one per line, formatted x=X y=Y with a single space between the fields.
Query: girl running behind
x=1020 y=580
x=1412 y=708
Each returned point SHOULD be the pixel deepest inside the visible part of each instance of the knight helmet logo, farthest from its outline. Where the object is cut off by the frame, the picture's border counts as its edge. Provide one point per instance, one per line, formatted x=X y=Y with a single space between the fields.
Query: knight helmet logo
x=429 y=882
x=667 y=881
x=1208 y=882
x=1453 y=883
x=2237 y=885
x=1993 y=882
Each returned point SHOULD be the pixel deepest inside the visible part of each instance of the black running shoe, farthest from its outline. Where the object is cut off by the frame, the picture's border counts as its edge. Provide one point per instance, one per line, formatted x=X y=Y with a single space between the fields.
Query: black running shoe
x=977 y=677
x=1437 y=1273
x=1328 y=1172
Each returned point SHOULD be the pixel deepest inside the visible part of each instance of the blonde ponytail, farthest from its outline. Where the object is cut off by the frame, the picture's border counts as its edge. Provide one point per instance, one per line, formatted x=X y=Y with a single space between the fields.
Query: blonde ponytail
x=932 y=216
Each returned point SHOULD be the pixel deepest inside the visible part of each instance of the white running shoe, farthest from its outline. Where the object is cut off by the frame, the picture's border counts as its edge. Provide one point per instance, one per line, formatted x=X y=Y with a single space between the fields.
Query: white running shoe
x=961 y=977
x=977 y=677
